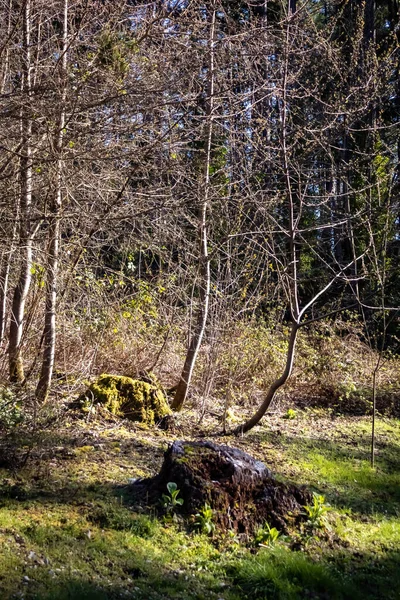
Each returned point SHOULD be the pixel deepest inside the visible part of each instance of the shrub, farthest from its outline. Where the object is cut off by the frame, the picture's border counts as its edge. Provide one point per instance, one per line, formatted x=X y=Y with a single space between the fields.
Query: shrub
x=10 y=409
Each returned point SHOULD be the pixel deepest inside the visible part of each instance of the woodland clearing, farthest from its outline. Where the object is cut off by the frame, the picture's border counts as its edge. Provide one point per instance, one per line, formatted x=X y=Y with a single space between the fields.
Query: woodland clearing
x=68 y=528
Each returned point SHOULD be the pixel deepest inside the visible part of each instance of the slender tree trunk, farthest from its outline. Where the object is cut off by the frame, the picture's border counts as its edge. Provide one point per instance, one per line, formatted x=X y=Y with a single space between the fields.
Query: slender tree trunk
x=204 y=291
x=4 y=276
x=49 y=333
x=294 y=202
x=278 y=383
x=6 y=58
x=6 y=262
x=26 y=236
x=373 y=418
x=4 y=279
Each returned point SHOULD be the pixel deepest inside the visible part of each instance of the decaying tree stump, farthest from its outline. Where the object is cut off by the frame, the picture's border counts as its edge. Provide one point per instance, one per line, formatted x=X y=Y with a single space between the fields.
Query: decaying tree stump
x=242 y=491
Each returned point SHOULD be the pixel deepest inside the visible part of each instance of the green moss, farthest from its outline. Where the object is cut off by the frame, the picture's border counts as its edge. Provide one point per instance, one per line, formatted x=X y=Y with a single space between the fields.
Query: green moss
x=130 y=398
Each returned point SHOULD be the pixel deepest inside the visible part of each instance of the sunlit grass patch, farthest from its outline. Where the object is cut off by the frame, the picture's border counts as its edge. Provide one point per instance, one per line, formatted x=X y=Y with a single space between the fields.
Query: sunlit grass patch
x=333 y=456
x=352 y=480
x=376 y=534
x=285 y=575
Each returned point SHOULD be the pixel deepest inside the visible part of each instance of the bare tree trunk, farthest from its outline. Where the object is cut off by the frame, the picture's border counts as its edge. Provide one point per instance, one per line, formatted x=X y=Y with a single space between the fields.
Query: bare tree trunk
x=49 y=333
x=6 y=265
x=294 y=201
x=4 y=280
x=6 y=59
x=204 y=290
x=3 y=296
x=372 y=459
x=26 y=237
x=278 y=383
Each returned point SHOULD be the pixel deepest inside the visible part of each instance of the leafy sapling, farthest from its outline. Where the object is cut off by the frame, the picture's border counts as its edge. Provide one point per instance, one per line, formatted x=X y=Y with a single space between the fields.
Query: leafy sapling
x=204 y=520
x=316 y=511
x=267 y=536
x=171 y=500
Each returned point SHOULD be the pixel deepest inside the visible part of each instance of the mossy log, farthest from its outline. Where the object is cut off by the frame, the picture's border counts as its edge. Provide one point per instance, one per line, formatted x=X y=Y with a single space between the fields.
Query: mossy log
x=133 y=399
x=242 y=491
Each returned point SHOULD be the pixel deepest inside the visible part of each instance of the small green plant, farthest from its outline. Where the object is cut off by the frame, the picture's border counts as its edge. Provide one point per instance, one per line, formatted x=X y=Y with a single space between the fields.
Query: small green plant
x=10 y=409
x=267 y=536
x=171 y=500
x=316 y=511
x=290 y=414
x=233 y=538
x=204 y=520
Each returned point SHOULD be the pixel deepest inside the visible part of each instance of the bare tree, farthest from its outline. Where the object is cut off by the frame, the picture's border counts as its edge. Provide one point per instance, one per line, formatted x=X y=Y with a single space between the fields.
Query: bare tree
x=204 y=261
x=26 y=231
x=304 y=151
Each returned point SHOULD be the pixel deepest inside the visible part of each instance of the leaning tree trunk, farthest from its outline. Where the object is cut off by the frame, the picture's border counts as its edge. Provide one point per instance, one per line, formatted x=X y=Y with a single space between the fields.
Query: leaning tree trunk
x=278 y=383
x=49 y=334
x=26 y=236
x=204 y=291
x=292 y=272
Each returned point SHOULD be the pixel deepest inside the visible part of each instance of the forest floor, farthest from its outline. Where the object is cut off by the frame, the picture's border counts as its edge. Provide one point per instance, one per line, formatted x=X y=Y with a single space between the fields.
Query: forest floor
x=68 y=530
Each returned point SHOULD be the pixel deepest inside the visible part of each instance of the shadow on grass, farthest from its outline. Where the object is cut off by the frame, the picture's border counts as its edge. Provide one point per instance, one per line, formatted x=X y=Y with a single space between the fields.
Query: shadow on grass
x=22 y=447
x=277 y=573
x=71 y=493
x=77 y=588
x=63 y=469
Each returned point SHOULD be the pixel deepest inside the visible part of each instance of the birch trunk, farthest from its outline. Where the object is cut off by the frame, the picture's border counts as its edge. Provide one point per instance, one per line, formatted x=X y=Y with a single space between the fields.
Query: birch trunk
x=6 y=259
x=26 y=236
x=49 y=334
x=4 y=280
x=4 y=276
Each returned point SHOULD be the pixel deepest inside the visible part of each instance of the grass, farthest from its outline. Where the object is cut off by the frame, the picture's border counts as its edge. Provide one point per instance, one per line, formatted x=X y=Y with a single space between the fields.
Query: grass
x=282 y=574
x=69 y=532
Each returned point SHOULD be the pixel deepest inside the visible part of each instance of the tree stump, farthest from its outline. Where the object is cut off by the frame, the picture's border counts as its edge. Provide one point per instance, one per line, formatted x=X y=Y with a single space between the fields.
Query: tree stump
x=241 y=490
x=140 y=400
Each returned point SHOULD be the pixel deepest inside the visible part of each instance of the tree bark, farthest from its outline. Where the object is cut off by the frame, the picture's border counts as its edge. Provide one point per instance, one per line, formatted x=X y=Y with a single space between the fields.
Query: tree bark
x=278 y=383
x=49 y=333
x=204 y=290
x=4 y=280
x=26 y=238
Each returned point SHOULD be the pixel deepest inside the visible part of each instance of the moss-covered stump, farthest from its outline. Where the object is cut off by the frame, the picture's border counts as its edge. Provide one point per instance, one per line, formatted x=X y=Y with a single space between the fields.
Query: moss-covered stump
x=133 y=399
x=242 y=491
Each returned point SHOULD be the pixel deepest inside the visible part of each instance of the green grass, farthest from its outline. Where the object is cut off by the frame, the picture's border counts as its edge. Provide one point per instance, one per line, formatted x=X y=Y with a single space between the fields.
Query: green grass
x=69 y=532
x=286 y=575
x=333 y=456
